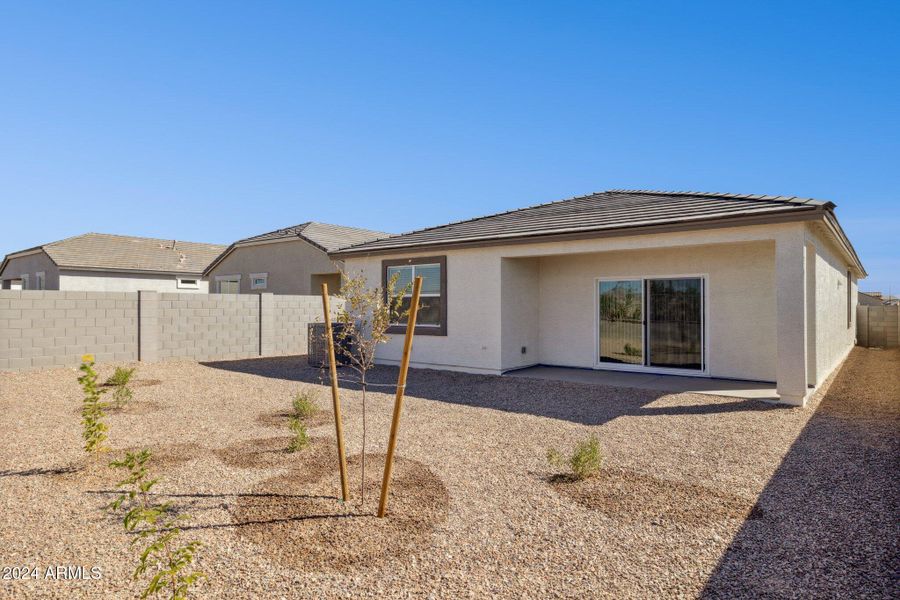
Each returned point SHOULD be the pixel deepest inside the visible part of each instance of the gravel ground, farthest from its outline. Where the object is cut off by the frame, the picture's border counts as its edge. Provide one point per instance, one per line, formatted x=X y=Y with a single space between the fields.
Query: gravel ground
x=699 y=494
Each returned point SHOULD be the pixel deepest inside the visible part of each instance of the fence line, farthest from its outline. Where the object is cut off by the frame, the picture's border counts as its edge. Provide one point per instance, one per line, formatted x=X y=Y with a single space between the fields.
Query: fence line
x=878 y=326
x=52 y=328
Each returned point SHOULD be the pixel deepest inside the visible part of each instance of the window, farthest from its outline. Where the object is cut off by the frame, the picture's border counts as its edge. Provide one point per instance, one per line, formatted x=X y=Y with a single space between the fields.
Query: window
x=849 y=301
x=432 y=316
x=187 y=284
x=259 y=281
x=25 y=285
x=39 y=280
x=228 y=284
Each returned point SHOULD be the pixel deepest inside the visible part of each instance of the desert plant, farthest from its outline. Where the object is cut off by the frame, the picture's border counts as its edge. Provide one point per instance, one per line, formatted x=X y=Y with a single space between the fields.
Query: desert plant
x=169 y=562
x=119 y=382
x=300 y=439
x=584 y=462
x=304 y=404
x=364 y=319
x=93 y=428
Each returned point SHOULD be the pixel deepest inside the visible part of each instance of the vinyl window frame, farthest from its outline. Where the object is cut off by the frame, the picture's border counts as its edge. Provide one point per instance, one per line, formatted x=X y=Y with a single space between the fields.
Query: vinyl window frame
x=441 y=261
x=40 y=280
x=255 y=276
x=181 y=285
x=221 y=278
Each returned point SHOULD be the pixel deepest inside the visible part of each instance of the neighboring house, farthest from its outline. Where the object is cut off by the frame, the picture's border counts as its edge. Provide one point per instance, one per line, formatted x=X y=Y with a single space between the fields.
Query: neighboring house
x=293 y=260
x=870 y=299
x=721 y=285
x=100 y=262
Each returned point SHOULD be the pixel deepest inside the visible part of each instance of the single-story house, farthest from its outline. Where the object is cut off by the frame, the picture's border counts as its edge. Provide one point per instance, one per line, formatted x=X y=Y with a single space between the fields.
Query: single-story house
x=870 y=299
x=760 y=288
x=293 y=260
x=100 y=262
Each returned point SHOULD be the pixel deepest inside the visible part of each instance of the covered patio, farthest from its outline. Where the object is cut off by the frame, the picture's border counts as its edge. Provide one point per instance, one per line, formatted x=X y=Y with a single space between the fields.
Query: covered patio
x=730 y=388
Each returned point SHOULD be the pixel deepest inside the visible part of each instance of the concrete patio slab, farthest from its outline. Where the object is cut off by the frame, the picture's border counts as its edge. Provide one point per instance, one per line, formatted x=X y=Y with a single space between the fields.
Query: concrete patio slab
x=734 y=388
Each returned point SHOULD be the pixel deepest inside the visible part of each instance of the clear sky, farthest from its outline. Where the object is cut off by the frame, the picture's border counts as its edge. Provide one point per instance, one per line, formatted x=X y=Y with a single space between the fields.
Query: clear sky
x=219 y=120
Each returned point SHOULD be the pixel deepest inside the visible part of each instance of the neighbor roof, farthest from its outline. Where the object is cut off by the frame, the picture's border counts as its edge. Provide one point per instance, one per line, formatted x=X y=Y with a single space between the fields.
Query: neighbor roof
x=107 y=252
x=324 y=236
x=327 y=237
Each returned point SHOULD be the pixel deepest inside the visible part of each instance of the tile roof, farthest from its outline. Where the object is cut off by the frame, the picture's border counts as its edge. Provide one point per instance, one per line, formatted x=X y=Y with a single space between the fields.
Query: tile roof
x=327 y=237
x=102 y=251
x=613 y=209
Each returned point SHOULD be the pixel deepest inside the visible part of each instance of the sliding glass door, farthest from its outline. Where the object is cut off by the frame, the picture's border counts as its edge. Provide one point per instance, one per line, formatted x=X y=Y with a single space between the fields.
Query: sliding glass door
x=622 y=322
x=652 y=322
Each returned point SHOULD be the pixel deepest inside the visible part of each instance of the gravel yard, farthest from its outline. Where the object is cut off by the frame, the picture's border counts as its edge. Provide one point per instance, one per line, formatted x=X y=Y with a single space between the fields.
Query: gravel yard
x=699 y=495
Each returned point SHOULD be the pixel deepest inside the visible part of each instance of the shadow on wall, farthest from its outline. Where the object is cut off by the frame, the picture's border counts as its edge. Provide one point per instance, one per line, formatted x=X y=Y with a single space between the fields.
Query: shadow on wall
x=587 y=404
x=830 y=523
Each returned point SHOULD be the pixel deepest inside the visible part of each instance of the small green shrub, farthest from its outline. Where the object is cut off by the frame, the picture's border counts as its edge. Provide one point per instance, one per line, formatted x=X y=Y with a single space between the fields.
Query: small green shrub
x=584 y=462
x=300 y=438
x=93 y=428
x=167 y=561
x=304 y=404
x=119 y=381
x=632 y=351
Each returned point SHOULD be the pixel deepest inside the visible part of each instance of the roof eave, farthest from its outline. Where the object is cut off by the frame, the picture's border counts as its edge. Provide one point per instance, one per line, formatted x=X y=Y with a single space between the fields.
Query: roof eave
x=198 y=274
x=806 y=213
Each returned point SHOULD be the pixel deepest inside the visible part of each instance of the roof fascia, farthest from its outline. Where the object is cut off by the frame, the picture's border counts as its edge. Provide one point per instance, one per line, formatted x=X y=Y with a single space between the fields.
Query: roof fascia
x=814 y=212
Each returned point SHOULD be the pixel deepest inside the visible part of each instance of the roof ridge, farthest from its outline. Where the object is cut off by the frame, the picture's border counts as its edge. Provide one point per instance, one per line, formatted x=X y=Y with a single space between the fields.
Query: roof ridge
x=128 y=237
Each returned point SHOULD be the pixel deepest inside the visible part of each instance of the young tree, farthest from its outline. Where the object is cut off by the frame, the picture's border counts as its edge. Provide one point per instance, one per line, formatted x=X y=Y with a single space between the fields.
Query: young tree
x=363 y=322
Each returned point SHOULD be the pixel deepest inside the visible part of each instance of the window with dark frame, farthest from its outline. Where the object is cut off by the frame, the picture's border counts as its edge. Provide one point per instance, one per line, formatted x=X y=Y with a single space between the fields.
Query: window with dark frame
x=849 y=301
x=432 y=316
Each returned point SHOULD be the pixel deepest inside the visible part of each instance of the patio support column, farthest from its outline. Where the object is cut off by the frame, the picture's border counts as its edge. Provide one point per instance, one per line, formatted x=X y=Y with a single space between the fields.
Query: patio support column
x=790 y=317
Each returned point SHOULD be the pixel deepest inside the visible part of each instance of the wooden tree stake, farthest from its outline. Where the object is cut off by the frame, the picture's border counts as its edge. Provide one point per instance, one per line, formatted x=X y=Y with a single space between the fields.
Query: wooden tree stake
x=335 y=398
x=398 y=400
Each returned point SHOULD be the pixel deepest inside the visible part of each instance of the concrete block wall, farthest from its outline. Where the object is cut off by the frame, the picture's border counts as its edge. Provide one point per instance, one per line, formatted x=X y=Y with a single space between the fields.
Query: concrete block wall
x=878 y=326
x=292 y=314
x=208 y=327
x=53 y=329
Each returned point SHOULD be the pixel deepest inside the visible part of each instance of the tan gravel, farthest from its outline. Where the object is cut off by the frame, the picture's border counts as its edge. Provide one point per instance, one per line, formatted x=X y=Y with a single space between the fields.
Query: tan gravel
x=475 y=512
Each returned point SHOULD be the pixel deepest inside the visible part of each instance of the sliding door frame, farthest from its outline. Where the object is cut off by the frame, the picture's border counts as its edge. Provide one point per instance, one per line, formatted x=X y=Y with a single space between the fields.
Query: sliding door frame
x=704 y=330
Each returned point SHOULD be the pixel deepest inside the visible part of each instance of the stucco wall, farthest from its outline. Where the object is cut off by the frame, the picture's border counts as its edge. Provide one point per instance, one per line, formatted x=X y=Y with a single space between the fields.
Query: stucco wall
x=31 y=265
x=491 y=312
x=520 y=289
x=473 y=319
x=834 y=337
x=289 y=264
x=740 y=303
x=97 y=281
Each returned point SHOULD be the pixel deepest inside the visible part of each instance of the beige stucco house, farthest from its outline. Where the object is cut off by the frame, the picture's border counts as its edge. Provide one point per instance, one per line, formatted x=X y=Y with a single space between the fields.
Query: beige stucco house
x=293 y=260
x=99 y=262
x=759 y=288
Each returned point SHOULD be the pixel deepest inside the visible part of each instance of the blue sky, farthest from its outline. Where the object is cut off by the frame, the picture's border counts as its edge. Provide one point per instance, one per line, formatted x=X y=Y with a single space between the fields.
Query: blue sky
x=215 y=121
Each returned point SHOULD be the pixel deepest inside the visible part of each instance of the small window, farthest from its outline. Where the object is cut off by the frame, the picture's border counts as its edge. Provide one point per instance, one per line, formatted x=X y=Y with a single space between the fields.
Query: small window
x=228 y=284
x=432 y=316
x=25 y=282
x=188 y=284
x=259 y=281
x=39 y=280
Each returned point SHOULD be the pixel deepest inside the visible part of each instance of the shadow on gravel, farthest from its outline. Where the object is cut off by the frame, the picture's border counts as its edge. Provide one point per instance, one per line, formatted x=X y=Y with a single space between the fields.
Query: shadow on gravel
x=37 y=471
x=587 y=404
x=831 y=525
